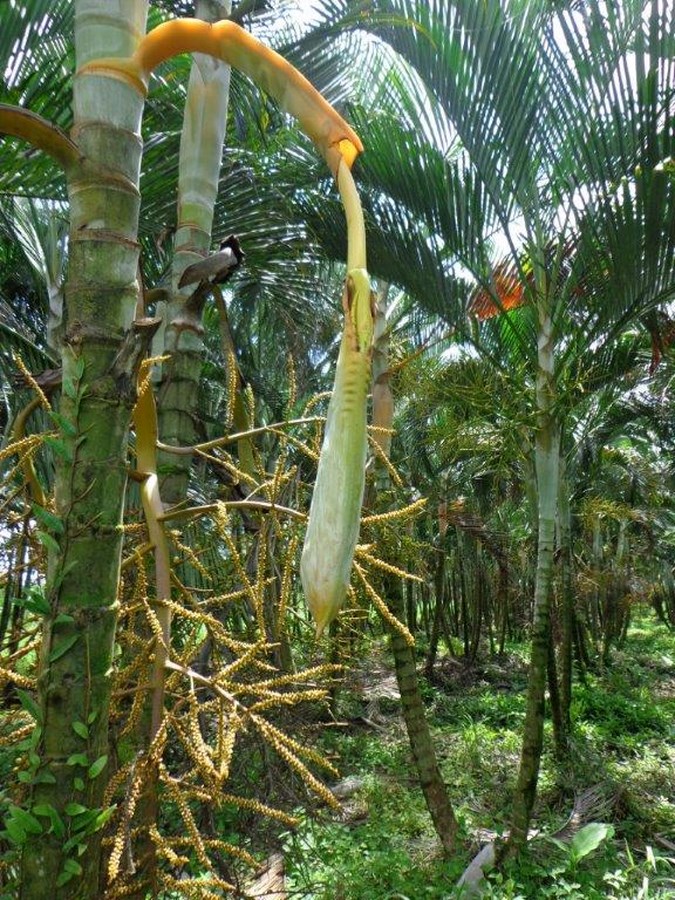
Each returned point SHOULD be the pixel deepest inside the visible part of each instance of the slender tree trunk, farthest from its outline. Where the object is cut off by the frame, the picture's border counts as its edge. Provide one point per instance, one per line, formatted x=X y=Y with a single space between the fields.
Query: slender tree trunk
x=100 y=358
x=421 y=743
x=547 y=460
x=439 y=585
x=412 y=705
x=567 y=605
x=554 y=697
x=201 y=149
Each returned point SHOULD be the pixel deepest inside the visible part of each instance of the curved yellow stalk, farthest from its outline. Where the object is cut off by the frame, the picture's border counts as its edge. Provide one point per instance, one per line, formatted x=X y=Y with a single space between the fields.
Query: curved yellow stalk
x=231 y=43
x=28 y=126
x=35 y=490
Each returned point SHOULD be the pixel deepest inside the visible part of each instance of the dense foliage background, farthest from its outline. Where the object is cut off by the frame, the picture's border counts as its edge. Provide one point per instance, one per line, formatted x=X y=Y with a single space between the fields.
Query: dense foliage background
x=518 y=182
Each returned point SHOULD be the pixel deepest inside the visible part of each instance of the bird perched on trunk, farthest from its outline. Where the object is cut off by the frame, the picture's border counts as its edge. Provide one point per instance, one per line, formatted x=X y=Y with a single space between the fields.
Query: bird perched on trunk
x=216 y=268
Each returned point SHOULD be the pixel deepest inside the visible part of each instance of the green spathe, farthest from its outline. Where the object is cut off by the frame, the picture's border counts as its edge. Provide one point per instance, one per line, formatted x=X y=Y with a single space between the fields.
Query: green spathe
x=335 y=512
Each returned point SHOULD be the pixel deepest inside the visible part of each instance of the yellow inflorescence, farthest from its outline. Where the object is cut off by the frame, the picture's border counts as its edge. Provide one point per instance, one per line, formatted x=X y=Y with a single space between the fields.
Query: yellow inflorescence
x=292 y=385
x=289 y=751
x=405 y=512
x=186 y=815
x=386 y=462
x=7 y=676
x=19 y=363
x=383 y=609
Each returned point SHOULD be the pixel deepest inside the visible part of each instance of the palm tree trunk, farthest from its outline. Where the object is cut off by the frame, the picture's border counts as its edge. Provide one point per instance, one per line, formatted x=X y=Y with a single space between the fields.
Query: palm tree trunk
x=200 y=156
x=100 y=357
x=201 y=151
x=439 y=595
x=554 y=698
x=421 y=743
x=567 y=604
x=547 y=462
x=412 y=705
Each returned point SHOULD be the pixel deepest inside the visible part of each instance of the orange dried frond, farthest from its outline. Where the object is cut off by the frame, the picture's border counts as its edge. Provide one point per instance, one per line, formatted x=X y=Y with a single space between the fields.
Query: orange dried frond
x=507 y=288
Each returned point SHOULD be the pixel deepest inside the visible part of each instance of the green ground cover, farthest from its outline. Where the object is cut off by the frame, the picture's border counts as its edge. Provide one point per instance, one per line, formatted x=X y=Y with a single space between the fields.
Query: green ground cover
x=383 y=847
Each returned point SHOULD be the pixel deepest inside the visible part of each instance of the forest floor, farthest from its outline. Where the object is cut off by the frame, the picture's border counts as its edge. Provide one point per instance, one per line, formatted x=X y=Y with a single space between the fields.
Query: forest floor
x=381 y=845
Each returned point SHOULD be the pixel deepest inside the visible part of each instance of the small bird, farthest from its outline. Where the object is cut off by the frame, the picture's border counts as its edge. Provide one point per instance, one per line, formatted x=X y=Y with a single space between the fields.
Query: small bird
x=217 y=268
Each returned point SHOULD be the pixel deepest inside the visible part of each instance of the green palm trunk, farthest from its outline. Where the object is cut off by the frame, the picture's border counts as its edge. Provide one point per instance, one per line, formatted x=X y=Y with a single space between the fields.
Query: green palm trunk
x=99 y=358
x=201 y=149
x=201 y=152
x=419 y=735
x=567 y=606
x=412 y=703
x=547 y=464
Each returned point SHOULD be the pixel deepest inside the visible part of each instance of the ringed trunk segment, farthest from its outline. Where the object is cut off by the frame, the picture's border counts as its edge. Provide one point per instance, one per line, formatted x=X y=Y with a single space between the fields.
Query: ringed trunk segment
x=232 y=44
x=199 y=163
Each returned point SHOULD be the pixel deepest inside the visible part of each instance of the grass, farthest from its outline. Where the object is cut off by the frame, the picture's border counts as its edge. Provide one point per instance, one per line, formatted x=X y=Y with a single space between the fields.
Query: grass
x=623 y=738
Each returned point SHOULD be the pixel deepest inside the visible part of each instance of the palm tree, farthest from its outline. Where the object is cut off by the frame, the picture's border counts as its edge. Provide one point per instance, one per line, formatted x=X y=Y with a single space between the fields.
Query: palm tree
x=106 y=338
x=559 y=172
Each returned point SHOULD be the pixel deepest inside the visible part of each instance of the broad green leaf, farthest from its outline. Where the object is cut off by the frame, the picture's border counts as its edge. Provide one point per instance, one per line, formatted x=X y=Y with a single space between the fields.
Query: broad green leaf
x=47 y=518
x=35 y=601
x=61 y=422
x=47 y=541
x=15 y=831
x=103 y=817
x=43 y=809
x=97 y=767
x=74 y=809
x=78 y=759
x=28 y=704
x=26 y=820
x=71 y=865
x=60 y=448
x=43 y=778
x=589 y=838
x=80 y=729
x=69 y=388
x=57 y=826
x=63 y=647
